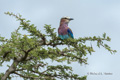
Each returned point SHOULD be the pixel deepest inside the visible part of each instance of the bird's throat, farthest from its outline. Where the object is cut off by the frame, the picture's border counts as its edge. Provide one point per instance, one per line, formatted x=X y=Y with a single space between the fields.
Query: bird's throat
x=64 y=24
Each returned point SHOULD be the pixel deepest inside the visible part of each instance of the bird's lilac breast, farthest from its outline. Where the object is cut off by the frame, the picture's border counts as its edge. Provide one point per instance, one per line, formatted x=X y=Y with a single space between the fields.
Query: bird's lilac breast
x=62 y=31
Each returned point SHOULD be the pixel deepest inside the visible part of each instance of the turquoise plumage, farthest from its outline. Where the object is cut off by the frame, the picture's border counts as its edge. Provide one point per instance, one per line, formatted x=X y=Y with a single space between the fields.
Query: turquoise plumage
x=64 y=32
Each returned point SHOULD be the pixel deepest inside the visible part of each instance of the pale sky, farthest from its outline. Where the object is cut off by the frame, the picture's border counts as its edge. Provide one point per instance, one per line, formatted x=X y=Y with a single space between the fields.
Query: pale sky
x=91 y=17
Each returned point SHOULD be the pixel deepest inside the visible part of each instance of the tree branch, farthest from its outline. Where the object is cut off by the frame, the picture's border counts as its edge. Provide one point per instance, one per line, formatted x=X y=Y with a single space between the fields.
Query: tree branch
x=23 y=75
x=11 y=69
x=6 y=53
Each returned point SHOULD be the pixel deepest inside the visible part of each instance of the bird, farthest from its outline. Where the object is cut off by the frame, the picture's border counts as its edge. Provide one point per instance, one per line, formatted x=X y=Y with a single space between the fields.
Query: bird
x=64 y=32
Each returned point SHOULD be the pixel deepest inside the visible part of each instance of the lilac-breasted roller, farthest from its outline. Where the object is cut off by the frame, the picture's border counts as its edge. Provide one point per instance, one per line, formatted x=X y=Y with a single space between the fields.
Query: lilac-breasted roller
x=64 y=32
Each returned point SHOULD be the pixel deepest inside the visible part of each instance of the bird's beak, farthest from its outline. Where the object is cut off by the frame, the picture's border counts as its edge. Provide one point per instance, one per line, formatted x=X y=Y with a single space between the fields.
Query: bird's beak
x=71 y=19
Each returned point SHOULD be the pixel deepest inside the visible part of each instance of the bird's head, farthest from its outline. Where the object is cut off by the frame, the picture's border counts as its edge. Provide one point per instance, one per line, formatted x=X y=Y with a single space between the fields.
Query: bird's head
x=66 y=19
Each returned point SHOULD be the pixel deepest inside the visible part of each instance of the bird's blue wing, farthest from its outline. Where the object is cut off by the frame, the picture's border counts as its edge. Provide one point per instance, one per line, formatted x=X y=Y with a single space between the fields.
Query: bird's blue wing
x=70 y=33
